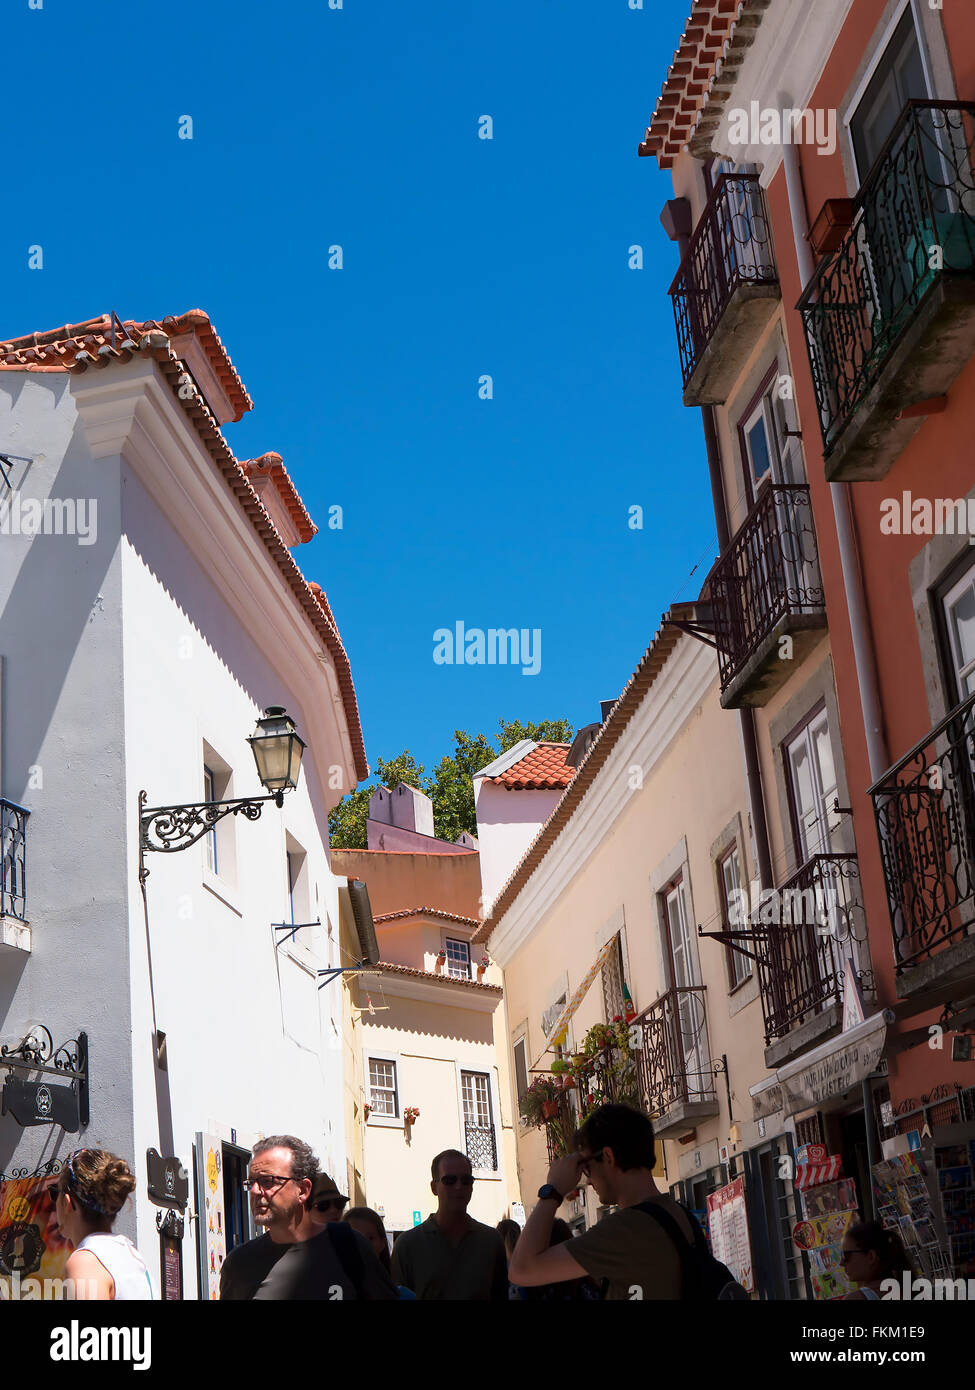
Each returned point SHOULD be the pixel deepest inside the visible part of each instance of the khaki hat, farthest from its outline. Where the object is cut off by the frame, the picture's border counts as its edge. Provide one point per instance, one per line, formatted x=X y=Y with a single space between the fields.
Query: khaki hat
x=324 y=1186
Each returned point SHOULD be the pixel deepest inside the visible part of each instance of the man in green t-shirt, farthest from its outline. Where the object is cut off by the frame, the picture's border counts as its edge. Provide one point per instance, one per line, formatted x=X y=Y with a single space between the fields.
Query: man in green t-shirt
x=628 y=1249
x=452 y=1256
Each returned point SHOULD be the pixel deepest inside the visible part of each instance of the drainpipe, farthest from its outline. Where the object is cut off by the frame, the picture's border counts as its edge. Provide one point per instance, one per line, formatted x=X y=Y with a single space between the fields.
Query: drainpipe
x=863 y=653
x=676 y=221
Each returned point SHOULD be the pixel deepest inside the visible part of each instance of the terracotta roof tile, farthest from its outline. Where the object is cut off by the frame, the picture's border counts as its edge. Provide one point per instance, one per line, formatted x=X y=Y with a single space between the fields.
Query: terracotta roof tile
x=441 y=979
x=272 y=466
x=428 y=912
x=80 y=347
x=543 y=769
x=714 y=38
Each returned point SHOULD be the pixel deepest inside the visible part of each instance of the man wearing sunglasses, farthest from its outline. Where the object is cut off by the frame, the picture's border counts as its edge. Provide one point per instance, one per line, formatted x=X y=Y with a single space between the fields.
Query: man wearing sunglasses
x=326 y=1203
x=628 y=1250
x=452 y=1256
x=296 y=1258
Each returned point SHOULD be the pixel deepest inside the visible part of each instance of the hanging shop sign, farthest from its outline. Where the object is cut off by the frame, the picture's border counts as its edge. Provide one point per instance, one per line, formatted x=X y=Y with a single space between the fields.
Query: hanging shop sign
x=211 y=1236
x=46 y=1085
x=41 y=1103
x=169 y=1183
x=812 y=1174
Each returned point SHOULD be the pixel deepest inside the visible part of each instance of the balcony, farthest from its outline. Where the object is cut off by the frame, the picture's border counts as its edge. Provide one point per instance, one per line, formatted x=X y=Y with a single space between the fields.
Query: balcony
x=726 y=289
x=765 y=588
x=889 y=315
x=817 y=921
x=676 y=1080
x=14 y=930
x=925 y=811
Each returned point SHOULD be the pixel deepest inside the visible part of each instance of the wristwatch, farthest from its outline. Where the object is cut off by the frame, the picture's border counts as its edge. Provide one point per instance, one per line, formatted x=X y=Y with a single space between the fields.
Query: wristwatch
x=547 y=1190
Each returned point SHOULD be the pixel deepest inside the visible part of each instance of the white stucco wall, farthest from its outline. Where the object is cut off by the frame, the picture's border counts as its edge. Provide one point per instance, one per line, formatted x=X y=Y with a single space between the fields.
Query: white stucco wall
x=120 y=659
x=507 y=822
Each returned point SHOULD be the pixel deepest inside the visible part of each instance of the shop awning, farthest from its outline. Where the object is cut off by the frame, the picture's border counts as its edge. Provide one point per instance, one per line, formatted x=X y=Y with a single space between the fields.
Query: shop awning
x=834 y=1067
x=557 y=1032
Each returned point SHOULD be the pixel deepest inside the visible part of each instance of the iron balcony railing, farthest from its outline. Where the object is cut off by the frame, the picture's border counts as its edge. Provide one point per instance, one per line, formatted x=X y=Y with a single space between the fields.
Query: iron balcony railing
x=913 y=222
x=925 y=811
x=13 y=864
x=805 y=934
x=482 y=1149
x=731 y=246
x=770 y=570
x=674 y=1060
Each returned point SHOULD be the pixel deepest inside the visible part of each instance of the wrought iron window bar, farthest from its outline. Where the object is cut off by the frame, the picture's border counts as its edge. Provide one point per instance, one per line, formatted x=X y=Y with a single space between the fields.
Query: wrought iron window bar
x=731 y=246
x=13 y=860
x=770 y=570
x=481 y=1144
x=919 y=194
x=674 y=1060
x=924 y=807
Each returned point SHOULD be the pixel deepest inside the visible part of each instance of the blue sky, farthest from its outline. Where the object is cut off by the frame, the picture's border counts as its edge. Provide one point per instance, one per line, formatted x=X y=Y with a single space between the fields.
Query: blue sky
x=462 y=257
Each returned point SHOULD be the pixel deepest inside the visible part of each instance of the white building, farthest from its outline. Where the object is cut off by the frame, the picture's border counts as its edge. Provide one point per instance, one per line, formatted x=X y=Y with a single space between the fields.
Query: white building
x=151 y=609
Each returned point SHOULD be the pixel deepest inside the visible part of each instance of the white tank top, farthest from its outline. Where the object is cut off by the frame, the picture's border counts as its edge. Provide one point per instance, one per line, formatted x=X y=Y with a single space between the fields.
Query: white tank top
x=124 y=1264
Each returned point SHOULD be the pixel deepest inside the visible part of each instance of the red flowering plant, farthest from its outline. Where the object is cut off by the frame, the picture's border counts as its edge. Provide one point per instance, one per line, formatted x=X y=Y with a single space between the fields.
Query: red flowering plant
x=411 y=1114
x=542 y=1094
x=608 y=1073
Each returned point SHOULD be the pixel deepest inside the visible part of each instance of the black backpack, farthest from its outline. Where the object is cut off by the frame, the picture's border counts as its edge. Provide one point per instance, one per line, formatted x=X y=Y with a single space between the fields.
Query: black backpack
x=703 y=1278
x=349 y=1255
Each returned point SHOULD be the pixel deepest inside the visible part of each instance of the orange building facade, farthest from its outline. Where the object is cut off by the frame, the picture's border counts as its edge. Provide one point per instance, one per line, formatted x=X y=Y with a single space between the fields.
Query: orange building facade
x=824 y=226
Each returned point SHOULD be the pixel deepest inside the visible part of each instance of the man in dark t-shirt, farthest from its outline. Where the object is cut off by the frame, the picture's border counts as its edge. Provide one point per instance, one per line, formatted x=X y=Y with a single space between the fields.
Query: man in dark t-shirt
x=296 y=1258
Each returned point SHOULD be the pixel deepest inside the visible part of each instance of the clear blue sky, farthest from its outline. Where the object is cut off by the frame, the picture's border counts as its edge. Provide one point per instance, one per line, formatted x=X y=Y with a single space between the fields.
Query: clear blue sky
x=462 y=257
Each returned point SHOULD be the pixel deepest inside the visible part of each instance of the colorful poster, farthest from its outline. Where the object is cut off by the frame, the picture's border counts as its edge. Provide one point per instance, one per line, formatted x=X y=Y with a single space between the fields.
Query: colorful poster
x=832 y=1197
x=31 y=1244
x=212 y=1234
x=822 y=1230
x=728 y=1231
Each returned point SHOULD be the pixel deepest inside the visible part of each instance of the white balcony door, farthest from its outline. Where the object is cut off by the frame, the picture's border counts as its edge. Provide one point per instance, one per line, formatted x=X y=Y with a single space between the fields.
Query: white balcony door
x=689 y=1010
x=812 y=772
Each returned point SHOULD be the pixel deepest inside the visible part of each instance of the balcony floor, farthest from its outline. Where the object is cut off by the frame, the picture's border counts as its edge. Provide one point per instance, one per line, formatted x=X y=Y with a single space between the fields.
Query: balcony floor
x=946 y=976
x=765 y=671
x=929 y=357
x=682 y=1116
x=738 y=330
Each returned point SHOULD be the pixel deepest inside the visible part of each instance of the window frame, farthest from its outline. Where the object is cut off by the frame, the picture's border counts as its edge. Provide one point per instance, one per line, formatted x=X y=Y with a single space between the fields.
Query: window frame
x=733 y=958
x=449 y=941
x=394 y=1121
x=480 y=1067
x=521 y=1042
x=961 y=573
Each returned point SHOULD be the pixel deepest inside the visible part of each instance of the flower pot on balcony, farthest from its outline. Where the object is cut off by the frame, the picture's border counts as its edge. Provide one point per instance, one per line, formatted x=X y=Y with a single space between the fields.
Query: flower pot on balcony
x=550 y=1108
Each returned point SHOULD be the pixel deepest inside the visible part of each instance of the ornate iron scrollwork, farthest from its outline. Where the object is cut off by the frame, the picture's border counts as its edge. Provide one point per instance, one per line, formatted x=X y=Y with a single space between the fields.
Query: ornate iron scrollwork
x=168 y=829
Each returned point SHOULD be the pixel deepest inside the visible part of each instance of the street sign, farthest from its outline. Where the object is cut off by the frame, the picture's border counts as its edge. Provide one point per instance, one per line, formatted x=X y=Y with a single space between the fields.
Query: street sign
x=40 y=1103
x=416 y=1218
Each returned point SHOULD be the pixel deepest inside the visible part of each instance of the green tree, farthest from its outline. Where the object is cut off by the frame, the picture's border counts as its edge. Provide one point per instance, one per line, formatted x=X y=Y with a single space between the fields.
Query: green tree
x=347 y=820
x=451 y=787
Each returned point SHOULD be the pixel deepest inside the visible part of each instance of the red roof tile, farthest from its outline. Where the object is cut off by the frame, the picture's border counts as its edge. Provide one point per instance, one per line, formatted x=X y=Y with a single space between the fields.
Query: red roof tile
x=272 y=466
x=427 y=912
x=77 y=347
x=442 y=979
x=543 y=769
x=687 y=112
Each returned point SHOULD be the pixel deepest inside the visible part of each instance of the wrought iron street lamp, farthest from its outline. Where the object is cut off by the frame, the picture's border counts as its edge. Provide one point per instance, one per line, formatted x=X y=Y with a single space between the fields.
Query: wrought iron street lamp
x=277 y=752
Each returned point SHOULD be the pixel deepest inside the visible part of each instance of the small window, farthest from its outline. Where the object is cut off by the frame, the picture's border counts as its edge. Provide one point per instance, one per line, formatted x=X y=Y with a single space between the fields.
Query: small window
x=220 y=841
x=382 y=1086
x=739 y=966
x=521 y=1066
x=478 y=1121
x=959 y=616
x=458 y=959
x=298 y=909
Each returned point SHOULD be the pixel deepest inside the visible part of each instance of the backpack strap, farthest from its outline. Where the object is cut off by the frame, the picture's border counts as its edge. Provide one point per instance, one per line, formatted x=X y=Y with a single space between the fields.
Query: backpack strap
x=349 y=1255
x=685 y=1251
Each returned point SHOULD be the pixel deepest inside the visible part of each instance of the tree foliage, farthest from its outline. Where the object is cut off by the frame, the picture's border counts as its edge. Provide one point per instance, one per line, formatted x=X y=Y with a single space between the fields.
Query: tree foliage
x=450 y=788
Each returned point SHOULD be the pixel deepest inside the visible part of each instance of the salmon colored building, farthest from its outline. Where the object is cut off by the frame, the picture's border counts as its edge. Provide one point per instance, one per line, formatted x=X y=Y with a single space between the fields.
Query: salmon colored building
x=824 y=216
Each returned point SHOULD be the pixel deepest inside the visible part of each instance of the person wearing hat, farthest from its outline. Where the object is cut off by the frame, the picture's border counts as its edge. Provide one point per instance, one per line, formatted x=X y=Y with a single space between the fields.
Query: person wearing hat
x=326 y=1203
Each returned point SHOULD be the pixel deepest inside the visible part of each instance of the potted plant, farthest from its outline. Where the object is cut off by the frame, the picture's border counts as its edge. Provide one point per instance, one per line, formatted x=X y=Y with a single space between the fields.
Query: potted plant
x=563 y=1070
x=367 y=1111
x=441 y=960
x=411 y=1114
x=482 y=965
x=541 y=1101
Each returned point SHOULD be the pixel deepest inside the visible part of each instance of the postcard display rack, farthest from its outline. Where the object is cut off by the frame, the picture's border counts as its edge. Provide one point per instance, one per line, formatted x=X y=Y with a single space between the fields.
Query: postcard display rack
x=829 y=1204
x=928 y=1197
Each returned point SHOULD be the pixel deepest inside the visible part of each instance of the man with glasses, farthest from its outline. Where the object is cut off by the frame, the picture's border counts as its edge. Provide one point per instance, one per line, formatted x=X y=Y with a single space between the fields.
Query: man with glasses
x=296 y=1258
x=452 y=1256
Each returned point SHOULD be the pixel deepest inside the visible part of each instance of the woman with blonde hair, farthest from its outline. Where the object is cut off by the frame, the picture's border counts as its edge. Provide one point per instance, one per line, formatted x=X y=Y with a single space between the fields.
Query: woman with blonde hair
x=92 y=1189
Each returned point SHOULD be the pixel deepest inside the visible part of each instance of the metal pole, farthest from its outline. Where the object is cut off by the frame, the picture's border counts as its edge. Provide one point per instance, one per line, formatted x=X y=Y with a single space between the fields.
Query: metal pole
x=871 y=1142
